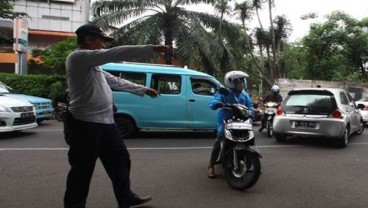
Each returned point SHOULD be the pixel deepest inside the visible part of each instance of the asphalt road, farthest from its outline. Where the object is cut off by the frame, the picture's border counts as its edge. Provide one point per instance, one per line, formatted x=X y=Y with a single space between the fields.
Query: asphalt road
x=172 y=167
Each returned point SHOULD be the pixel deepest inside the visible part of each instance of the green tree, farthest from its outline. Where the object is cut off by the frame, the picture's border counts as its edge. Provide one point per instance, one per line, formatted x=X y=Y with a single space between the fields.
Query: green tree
x=55 y=56
x=6 y=10
x=337 y=49
x=156 y=21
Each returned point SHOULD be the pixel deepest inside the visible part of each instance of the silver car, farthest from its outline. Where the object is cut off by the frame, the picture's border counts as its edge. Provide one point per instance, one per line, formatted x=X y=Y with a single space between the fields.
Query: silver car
x=318 y=112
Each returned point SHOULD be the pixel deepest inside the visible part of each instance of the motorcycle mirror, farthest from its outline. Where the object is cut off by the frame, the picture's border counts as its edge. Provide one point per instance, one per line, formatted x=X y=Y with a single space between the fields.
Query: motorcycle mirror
x=224 y=91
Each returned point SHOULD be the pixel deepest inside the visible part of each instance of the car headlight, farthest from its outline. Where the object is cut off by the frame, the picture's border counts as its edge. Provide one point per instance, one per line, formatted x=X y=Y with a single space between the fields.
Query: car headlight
x=4 y=109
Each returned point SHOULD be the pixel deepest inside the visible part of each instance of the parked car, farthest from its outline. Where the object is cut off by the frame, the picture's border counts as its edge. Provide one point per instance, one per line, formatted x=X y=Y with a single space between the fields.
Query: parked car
x=16 y=115
x=44 y=109
x=363 y=101
x=363 y=109
x=182 y=104
x=317 y=112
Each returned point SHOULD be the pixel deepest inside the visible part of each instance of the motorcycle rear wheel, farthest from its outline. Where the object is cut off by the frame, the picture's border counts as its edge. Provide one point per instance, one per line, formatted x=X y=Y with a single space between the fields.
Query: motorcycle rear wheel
x=247 y=174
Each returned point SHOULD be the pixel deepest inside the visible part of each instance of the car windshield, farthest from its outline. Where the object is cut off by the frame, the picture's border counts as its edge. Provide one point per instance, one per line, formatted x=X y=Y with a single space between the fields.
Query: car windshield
x=310 y=103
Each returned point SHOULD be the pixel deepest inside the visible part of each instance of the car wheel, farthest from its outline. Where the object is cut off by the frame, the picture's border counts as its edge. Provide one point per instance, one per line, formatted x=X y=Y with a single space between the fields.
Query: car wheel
x=361 y=128
x=343 y=142
x=126 y=126
x=280 y=137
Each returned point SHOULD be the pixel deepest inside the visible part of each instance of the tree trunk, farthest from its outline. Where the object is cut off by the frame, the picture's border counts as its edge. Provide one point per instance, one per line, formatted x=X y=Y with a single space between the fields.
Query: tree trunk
x=274 y=66
x=259 y=19
x=169 y=42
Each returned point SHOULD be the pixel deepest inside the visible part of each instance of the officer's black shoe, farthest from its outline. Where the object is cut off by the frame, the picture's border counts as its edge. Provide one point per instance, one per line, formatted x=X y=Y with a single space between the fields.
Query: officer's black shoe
x=137 y=200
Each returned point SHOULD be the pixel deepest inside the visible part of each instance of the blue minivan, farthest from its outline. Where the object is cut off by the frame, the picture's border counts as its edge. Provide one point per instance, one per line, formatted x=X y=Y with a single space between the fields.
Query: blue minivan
x=182 y=104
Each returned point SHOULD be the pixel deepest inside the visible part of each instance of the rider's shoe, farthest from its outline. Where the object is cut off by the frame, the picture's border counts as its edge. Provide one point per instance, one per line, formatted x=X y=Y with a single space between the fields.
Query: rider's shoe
x=261 y=129
x=211 y=172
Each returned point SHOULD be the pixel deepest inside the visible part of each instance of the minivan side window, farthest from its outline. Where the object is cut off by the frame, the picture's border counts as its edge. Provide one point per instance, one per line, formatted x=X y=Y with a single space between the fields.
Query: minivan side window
x=166 y=84
x=135 y=77
x=203 y=87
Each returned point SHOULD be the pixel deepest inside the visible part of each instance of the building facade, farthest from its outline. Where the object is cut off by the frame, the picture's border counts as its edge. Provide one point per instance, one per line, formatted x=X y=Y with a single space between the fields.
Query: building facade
x=49 y=21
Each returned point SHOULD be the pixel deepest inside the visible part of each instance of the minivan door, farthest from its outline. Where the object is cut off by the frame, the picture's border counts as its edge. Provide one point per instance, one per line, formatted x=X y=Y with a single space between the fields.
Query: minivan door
x=201 y=91
x=169 y=109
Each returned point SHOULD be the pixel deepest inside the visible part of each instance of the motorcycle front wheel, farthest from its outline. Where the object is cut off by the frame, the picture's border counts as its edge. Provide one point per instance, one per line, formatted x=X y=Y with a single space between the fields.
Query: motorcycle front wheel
x=269 y=129
x=247 y=174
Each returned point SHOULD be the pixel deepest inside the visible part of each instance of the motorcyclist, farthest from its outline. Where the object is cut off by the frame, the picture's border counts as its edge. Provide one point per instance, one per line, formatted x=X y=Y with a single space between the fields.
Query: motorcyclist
x=274 y=96
x=236 y=82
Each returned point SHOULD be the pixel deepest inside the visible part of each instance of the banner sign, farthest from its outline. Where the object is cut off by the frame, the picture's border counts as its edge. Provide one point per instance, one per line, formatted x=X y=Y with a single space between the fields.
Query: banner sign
x=20 y=35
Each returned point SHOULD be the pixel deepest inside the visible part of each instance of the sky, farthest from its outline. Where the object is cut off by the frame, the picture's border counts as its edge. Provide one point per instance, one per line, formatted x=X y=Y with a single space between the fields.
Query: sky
x=294 y=9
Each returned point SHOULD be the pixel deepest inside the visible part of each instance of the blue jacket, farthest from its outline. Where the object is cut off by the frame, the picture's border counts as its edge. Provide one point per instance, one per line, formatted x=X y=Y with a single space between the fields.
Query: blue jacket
x=233 y=98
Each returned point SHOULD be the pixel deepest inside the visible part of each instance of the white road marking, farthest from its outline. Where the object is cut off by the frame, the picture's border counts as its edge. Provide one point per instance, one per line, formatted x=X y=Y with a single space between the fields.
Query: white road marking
x=160 y=148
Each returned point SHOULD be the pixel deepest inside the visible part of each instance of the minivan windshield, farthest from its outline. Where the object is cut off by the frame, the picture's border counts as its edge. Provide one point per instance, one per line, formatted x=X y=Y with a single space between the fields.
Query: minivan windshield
x=310 y=103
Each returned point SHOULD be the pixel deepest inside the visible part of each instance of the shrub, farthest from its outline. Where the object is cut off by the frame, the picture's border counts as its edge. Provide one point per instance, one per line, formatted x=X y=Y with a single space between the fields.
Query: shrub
x=47 y=86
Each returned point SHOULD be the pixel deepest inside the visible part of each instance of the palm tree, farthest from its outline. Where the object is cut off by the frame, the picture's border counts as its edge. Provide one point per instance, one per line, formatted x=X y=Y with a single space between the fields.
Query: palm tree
x=263 y=39
x=282 y=31
x=257 y=5
x=156 y=21
x=222 y=7
x=245 y=12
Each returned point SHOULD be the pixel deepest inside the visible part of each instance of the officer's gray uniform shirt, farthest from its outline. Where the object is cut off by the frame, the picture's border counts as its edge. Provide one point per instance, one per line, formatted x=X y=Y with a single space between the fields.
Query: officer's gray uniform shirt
x=90 y=87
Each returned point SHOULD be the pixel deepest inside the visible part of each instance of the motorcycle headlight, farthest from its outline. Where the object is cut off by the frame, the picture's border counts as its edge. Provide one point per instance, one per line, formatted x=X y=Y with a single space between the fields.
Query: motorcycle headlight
x=228 y=134
x=245 y=112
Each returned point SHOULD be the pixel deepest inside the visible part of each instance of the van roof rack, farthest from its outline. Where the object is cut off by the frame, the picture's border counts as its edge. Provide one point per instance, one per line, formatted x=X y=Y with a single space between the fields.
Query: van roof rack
x=149 y=64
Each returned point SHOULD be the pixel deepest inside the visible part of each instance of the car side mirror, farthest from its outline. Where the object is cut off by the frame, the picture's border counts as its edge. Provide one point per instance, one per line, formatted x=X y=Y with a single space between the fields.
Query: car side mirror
x=360 y=106
x=224 y=91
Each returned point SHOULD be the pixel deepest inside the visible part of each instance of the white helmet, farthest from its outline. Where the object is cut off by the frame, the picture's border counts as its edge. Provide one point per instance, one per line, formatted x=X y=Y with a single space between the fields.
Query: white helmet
x=275 y=89
x=234 y=75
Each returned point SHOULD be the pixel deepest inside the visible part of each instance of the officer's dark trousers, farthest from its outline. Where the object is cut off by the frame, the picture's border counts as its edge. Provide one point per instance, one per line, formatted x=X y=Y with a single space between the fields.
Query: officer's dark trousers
x=89 y=141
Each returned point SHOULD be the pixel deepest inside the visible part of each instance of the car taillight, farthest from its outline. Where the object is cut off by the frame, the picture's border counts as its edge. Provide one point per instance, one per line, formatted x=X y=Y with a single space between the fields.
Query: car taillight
x=336 y=113
x=366 y=107
x=279 y=111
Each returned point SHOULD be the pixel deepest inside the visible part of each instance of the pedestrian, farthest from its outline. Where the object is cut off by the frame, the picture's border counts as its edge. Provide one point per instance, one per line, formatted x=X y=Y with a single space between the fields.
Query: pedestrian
x=236 y=82
x=89 y=128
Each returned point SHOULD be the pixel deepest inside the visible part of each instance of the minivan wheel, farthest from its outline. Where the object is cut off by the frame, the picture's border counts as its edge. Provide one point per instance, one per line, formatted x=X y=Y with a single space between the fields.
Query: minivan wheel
x=280 y=137
x=343 y=142
x=126 y=126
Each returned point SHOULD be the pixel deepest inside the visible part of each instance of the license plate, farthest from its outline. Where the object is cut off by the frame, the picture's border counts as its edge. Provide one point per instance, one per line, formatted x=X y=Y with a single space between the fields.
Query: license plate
x=240 y=146
x=45 y=112
x=26 y=115
x=305 y=124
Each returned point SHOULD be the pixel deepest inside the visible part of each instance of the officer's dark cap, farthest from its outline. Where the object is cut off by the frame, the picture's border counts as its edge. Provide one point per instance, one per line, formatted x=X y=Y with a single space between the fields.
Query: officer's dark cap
x=91 y=30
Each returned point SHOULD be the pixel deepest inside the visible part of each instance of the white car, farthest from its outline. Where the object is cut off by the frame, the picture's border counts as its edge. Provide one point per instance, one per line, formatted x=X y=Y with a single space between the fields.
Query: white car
x=16 y=115
x=363 y=109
